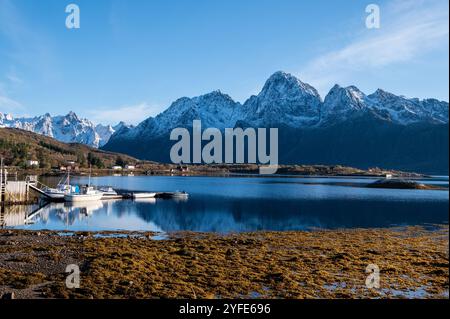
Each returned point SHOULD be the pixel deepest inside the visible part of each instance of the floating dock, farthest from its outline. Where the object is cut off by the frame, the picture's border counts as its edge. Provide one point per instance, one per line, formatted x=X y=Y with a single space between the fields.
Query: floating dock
x=15 y=192
x=145 y=195
x=123 y=195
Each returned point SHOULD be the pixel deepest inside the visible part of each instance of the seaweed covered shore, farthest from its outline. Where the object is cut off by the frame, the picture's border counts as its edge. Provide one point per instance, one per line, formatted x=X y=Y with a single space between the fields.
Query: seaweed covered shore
x=413 y=263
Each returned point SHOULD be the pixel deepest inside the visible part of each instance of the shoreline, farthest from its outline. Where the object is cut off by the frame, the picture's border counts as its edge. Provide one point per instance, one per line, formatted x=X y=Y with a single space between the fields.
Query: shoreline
x=232 y=170
x=413 y=263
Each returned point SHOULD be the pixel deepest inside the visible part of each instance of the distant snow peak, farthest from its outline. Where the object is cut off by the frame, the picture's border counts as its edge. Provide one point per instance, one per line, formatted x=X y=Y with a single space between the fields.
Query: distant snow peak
x=341 y=103
x=402 y=110
x=6 y=117
x=67 y=128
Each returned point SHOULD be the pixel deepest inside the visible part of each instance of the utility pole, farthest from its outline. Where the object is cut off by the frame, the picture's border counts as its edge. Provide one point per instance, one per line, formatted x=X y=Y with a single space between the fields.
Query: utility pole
x=2 y=182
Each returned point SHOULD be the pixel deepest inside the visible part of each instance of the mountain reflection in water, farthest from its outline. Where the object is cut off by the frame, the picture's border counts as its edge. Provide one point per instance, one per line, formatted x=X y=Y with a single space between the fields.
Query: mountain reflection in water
x=220 y=204
x=218 y=215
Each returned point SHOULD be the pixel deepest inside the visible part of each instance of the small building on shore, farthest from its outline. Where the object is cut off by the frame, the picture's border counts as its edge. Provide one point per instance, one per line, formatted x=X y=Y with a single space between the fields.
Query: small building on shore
x=117 y=167
x=32 y=163
x=130 y=167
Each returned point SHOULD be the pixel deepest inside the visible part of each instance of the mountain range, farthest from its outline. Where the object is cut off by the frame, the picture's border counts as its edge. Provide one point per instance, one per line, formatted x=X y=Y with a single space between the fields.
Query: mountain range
x=69 y=128
x=347 y=127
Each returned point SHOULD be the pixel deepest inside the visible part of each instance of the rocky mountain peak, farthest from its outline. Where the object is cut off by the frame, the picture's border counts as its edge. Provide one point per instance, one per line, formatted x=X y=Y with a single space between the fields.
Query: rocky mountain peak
x=342 y=102
x=285 y=85
x=284 y=99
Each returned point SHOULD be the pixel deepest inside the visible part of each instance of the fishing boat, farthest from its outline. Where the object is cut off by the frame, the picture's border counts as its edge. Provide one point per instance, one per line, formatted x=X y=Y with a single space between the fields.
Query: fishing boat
x=56 y=193
x=87 y=193
x=109 y=193
x=62 y=188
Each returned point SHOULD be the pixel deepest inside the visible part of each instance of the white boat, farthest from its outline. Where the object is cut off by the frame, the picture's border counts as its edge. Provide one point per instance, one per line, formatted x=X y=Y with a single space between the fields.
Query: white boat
x=56 y=193
x=143 y=195
x=108 y=192
x=60 y=190
x=182 y=194
x=87 y=193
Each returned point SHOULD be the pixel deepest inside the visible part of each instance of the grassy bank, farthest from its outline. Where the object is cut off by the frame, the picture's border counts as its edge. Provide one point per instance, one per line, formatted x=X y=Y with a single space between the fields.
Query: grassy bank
x=413 y=262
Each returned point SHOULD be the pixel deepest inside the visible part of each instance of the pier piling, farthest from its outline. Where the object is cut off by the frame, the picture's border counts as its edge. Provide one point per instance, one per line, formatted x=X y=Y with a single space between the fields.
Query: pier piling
x=12 y=191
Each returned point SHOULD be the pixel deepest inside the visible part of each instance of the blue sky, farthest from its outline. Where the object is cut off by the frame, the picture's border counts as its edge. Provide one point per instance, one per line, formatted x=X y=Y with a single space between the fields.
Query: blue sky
x=131 y=59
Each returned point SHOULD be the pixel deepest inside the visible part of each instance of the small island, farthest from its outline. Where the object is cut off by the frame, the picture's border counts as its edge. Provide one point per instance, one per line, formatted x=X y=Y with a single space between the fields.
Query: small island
x=402 y=184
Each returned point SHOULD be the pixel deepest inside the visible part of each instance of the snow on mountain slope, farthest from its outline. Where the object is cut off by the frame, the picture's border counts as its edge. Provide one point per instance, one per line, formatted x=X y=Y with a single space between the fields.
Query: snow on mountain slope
x=341 y=103
x=405 y=111
x=285 y=100
x=69 y=128
x=214 y=109
x=106 y=131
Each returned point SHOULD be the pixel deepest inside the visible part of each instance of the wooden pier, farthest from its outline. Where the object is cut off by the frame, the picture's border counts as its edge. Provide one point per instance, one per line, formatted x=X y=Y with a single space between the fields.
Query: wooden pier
x=23 y=192
x=13 y=191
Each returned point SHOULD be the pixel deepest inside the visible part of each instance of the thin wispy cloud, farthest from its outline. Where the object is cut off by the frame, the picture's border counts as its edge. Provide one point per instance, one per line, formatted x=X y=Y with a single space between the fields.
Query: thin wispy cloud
x=131 y=114
x=9 y=105
x=409 y=29
x=13 y=78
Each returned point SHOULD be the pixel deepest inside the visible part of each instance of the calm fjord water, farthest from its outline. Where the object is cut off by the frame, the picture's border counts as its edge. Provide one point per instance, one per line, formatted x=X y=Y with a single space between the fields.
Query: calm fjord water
x=219 y=204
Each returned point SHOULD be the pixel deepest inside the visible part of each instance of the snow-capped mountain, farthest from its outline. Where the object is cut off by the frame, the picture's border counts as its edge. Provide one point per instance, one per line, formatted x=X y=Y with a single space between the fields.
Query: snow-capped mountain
x=284 y=100
x=69 y=128
x=348 y=127
x=106 y=131
x=406 y=111
x=341 y=103
x=214 y=109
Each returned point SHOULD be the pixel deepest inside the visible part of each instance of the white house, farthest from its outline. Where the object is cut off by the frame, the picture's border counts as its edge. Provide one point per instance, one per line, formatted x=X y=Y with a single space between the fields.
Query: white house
x=130 y=167
x=32 y=163
x=117 y=167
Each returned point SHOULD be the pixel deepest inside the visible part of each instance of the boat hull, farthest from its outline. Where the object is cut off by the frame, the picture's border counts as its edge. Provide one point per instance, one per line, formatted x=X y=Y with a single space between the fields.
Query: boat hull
x=143 y=195
x=82 y=197
x=54 y=195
